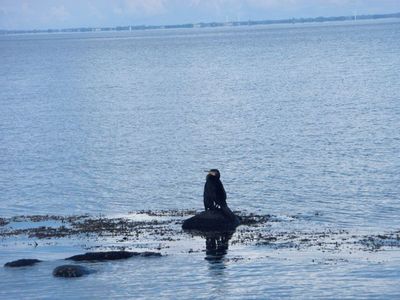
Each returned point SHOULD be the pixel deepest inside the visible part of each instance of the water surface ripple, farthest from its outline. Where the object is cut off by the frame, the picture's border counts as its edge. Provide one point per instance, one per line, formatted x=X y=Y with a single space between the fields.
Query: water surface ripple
x=301 y=120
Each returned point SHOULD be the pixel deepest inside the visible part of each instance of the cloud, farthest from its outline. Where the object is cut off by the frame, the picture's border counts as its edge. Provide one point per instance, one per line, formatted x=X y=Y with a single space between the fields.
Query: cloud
x=138 y=7
x=266 y=4
x=293 y=8
x=94 y=11
x=59 y=13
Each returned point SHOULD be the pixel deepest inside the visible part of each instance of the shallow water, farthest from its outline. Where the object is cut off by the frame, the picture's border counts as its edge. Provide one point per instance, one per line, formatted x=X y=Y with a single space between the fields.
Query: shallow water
x=301 y=120
x=143 y=279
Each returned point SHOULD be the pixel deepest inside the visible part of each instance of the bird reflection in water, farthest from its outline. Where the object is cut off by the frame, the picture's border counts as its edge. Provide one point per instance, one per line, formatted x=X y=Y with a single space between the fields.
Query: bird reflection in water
x=217 y=244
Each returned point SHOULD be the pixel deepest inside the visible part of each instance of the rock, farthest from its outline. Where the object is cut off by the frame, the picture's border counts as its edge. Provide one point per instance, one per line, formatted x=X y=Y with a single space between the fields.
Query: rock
x=95 y=256
x=211 y=220
x=110 y=255
x=3 y=222
x=149 y=254
x=22 y=263
x=70 y=271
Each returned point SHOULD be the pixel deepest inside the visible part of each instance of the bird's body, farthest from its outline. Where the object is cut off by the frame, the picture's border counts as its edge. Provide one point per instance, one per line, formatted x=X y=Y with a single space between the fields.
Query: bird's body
x=217 y=215
x=214 y=193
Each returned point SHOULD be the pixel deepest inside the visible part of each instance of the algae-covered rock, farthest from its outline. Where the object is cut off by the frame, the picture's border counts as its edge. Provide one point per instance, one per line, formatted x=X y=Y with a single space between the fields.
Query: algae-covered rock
x=22 y=263
x=110 y=255
x=70 y=271
x=212 y=220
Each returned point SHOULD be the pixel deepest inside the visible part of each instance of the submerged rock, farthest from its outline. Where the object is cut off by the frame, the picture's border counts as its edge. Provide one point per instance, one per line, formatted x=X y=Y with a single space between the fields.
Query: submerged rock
x=148 y=254
x=3 y=222
x=211 y=220
x=70 y=271
x=22 y=263
x=110 y=255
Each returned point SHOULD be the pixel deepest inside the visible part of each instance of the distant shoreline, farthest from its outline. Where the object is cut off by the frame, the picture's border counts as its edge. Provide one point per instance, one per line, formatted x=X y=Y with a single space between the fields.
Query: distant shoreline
x=208 y=24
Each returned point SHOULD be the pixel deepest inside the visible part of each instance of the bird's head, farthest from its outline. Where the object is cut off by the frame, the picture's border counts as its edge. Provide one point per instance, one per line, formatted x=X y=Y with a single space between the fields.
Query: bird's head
x=214 y=172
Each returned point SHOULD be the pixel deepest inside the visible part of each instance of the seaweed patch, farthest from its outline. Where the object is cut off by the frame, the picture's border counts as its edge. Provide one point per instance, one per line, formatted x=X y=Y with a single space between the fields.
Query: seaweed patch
x=162 y=230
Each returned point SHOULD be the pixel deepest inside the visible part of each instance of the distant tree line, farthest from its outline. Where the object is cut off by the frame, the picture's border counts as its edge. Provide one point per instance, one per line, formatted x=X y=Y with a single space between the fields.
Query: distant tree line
x=210 y=24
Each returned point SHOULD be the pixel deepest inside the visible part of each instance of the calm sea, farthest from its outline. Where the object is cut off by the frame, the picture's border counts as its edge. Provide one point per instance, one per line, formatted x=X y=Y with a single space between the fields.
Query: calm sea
x=299 y=120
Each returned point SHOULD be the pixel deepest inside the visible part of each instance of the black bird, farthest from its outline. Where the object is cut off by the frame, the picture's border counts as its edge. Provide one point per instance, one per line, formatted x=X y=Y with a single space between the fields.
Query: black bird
x=214 y=192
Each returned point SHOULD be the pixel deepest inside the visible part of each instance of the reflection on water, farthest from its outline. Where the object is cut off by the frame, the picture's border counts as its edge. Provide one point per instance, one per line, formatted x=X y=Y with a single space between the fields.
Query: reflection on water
x=217 y=244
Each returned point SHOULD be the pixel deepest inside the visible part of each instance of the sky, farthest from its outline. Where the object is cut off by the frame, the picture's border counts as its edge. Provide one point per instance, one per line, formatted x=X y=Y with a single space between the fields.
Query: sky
x=44 y=14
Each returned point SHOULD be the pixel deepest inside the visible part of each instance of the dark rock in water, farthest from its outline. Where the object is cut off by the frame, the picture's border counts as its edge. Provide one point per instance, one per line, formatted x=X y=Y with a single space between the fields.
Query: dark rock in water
x=3 y=222
x=149 y=254
x=22 y=263
x=110 y=255
x=211 y=220
x=70 y=271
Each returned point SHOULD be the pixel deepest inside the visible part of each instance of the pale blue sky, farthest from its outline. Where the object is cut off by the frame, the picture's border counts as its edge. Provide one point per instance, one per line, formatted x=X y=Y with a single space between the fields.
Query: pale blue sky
x=43 y=14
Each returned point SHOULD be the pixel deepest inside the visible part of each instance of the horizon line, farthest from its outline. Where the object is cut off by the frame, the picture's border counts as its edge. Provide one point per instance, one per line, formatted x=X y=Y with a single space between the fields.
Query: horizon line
x=292 y=20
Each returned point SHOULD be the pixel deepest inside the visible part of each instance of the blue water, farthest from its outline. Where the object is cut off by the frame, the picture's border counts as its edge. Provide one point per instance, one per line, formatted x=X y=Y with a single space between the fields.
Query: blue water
x=299 y=119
